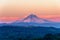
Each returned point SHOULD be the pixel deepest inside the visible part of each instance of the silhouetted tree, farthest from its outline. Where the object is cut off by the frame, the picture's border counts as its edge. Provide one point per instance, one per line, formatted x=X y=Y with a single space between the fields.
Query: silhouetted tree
x=37 y=39
x=49 y=37
x=57 y=36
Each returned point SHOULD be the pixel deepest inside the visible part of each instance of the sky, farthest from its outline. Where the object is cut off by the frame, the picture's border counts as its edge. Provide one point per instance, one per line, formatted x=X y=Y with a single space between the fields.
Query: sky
x=17 y=9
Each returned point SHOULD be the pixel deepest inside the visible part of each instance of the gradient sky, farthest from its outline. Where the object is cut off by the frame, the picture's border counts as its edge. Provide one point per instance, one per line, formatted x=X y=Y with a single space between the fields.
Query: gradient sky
x=15 y=9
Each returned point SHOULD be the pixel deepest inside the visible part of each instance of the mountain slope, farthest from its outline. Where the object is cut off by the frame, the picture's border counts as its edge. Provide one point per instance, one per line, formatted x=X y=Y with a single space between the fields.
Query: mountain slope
x=34 y=19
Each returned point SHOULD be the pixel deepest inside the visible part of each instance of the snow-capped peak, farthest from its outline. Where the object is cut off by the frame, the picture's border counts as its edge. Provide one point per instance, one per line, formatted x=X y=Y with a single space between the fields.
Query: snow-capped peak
x=33 y=18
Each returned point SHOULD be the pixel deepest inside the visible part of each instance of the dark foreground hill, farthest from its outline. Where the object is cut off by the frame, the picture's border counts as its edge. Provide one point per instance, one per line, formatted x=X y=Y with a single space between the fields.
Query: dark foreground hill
x=13 y=33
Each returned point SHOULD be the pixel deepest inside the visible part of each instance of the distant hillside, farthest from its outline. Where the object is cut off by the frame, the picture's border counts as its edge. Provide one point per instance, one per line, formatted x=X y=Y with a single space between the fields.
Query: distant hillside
x=33 y=20
x=27 y=31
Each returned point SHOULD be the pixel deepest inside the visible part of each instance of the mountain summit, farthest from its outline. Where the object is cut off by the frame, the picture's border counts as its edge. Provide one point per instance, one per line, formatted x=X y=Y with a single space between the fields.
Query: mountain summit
x=31 y=20
x=34 y=18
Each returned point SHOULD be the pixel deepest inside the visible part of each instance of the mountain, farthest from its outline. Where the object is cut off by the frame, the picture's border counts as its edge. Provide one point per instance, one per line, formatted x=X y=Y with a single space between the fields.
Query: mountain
x=33 y=19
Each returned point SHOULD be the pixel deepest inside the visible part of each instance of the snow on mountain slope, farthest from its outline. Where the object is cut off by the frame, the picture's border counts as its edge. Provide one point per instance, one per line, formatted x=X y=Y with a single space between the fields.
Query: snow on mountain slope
x=34 y=19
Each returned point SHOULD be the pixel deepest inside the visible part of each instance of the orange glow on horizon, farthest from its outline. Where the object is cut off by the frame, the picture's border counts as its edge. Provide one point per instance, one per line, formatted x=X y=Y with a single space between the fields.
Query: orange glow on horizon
x=15 y=9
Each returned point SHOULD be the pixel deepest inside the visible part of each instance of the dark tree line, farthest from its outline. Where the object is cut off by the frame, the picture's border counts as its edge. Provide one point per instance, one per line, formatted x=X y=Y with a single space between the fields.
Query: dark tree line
x=46 y=37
